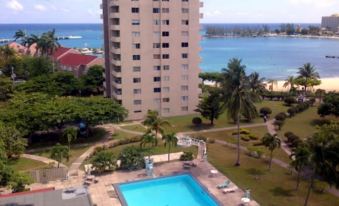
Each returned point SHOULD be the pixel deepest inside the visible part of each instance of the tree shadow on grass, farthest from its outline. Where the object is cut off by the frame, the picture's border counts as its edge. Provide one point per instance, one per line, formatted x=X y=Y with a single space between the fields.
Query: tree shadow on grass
x=279 y=191
x=255 y=172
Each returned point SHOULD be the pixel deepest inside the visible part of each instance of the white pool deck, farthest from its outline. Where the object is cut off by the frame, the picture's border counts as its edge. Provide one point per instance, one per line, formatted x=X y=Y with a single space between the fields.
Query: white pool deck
x=103 y=194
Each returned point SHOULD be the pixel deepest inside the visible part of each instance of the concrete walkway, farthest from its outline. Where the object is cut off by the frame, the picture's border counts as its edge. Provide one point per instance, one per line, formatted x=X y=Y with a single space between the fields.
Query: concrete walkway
x=223 y=129
x=272 y=131
x=42 y=159
x=244 y=149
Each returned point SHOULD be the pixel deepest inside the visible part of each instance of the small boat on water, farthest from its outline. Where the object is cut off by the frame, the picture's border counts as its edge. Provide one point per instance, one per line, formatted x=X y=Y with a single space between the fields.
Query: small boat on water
x=68 y=37
x=86 y=51
x=2 y=41
x=332 y=57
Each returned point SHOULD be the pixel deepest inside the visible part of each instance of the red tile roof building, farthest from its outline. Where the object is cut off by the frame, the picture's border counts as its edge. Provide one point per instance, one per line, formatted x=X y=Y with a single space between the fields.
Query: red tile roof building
x=78 y=63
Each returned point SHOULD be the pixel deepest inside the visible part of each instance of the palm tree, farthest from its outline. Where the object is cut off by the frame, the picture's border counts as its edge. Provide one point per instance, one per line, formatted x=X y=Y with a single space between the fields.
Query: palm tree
x=46 y=44
x=7 y=53
x=155 y=123
x=170 y=140
x=324 y=147
x=290 y=82
x=300 y=158
x=22 y=36
x=272 y=83
x=307 y=74
x=149 y=139
x=257 y=84
x=59 y=152
x=238 y=97
x=272 y=142
x=70 y=134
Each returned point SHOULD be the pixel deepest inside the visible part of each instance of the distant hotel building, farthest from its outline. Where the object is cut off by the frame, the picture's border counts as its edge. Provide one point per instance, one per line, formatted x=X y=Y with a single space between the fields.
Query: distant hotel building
x=152 y=55
x=331 y=22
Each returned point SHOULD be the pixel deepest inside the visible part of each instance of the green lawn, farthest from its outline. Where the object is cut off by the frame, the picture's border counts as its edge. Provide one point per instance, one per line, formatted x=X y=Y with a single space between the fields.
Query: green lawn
x=122 y=135
x=184 y=123
x=301 y=124
x=75 y=152
x=275 y=188
x=258 y=131
x=137 y=128
x=24 y=164
x=160 y=149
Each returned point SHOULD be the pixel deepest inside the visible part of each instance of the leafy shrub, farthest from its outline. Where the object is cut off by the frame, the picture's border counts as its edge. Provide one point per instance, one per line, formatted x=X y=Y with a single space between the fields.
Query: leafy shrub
x=319 y=186
x=253 y=137
x=255 y=152
x=321 y=122
x=104 y=161
x=278 y=123
x=293 y=140
x=292 y=111
x=290 y=100
x=245 y=138
x=197 y=121
x=187 y=156
x=242 y=131
x=265 y=111
x=132 y=158
x=281 y=116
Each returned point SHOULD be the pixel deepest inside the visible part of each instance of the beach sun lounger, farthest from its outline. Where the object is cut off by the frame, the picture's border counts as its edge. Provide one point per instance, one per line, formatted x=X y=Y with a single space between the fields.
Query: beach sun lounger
x=224 y=185
x=230 y=190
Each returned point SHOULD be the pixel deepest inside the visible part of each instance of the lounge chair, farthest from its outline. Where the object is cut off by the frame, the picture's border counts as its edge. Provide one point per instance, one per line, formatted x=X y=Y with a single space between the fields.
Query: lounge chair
x=230 y=190
x=226 y=184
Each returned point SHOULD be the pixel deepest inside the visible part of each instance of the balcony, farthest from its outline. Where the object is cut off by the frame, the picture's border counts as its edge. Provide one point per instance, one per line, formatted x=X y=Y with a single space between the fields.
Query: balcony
x=201 y=4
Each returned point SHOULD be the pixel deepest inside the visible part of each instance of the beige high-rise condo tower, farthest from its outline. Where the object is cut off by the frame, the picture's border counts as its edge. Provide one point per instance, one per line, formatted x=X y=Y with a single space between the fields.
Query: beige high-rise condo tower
x=152 y=55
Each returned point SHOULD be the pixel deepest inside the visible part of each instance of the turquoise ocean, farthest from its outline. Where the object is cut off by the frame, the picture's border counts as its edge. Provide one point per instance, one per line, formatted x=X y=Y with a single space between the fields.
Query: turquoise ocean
x=272 y=57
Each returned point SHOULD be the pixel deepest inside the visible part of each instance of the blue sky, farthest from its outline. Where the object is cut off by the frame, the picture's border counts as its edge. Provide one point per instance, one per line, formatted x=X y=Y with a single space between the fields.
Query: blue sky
x=216 y=11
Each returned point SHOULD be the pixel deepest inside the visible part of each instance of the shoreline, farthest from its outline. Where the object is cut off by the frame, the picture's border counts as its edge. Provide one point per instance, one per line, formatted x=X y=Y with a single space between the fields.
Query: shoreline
x=329 y=84
x=275 y=36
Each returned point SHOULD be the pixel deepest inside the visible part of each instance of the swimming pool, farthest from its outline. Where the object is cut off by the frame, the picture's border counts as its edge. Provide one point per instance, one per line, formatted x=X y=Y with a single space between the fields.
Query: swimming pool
x=181 y=190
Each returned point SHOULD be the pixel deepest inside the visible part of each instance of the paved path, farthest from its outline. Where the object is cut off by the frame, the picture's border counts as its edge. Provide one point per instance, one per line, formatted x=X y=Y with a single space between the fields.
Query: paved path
x=223 y=129
x=272 y=131
x=244 y=149
x=42 y=159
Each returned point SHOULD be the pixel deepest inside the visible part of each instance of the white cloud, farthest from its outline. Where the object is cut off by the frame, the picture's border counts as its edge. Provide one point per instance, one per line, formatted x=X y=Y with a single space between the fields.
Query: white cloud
x=214 y=13
x=316 y=3
x=15 y=5
x=93 y=12
x=39 y=7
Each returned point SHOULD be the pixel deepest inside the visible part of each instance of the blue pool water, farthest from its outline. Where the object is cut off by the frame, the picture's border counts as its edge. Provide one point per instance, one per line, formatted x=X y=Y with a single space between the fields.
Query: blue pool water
x=182 y=190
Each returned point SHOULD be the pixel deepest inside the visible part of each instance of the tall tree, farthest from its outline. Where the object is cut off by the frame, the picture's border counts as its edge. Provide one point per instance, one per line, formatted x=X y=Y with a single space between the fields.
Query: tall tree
x=14 y=143
x=59 y=153
x=155 y=123
x=149 y=140
x=238 y=97
x=324 y=156
x=70 y=134
x=210 y=105
x=257 y=84
x=170 y=141
x=300 y=159
x=92 y=82
x=290 y=82
x=20 y=35
x=308 y=76
x=272 y=83
x=272 y=142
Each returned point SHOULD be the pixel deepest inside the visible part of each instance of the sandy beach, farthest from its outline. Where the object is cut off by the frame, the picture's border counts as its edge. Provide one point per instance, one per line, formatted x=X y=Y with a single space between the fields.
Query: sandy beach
x=328 y=84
